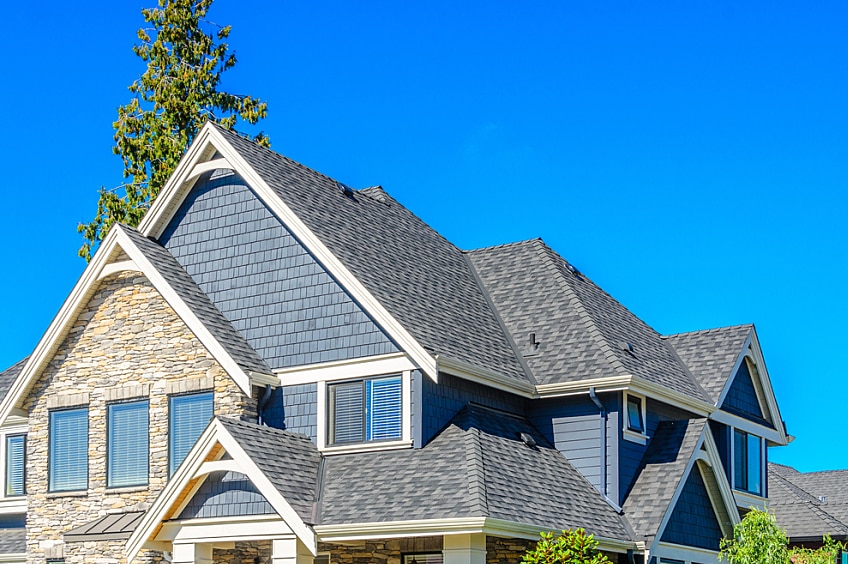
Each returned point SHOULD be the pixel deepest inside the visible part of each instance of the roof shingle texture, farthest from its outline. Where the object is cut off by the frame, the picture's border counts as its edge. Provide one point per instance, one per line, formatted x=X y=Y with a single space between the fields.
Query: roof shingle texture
x=13 y=541
x=8 y=376
x=199 y=303
x=579 y=326
x=711 y=355
x=420 y=278
x=662 y=470
x=795 y=498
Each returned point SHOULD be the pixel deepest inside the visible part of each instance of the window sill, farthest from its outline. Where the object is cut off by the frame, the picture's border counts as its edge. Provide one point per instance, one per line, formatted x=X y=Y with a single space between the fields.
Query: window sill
x=127 y=489
x=73 y=493
x=366 y=447
x=746 y=500
x=634 y=437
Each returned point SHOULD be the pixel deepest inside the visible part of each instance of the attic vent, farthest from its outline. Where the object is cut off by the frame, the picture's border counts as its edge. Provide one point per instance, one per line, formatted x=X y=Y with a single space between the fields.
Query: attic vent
x=346 y=190
x=527 y=439
x=625 y=346
x=823 y=499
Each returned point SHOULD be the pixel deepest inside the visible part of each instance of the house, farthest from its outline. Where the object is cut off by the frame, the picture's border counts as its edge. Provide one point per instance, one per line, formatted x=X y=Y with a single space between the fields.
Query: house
x=275 y=367
x=808 y=505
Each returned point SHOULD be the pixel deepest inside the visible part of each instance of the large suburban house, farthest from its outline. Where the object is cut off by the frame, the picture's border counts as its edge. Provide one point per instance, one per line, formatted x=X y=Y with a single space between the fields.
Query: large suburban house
x=277 y=368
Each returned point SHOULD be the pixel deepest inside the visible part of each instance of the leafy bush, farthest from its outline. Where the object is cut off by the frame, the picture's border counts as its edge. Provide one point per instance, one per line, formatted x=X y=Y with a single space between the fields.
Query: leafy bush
x=757 y=539
x=570 y=547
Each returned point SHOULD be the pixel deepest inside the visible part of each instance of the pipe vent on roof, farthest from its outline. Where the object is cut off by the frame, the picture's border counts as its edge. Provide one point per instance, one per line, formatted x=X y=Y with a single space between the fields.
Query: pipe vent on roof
x=532 y=347
x=344 y=189
x=527 y=439
x=626 y=346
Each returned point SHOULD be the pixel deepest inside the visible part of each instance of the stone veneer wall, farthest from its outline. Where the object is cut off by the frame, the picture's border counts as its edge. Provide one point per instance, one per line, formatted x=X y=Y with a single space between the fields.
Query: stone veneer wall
x=380 y=551
x=126 y=343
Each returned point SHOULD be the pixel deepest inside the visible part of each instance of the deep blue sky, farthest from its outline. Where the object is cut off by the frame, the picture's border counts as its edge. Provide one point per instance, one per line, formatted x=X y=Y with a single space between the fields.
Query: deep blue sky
x=690 y=157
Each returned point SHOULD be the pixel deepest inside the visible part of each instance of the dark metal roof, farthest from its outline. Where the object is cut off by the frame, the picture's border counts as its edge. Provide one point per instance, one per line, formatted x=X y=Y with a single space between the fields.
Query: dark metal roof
x=111 y=527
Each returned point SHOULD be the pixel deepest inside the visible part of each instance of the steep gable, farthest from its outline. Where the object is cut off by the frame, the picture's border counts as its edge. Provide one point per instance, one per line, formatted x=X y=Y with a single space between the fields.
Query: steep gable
x=264 y=281
x=693 y=521
x=742 y=397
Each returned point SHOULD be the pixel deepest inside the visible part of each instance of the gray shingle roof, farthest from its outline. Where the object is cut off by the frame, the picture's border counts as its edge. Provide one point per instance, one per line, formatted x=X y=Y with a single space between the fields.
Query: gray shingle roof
x=796 y=499
x=223 y=331
x=8 y=376
x=711 y=354
x=415 y=273
x=290 y=461
x=579 y=326
x=109 y=527
x=662 y=470
x=476 y=467
x=13 y=541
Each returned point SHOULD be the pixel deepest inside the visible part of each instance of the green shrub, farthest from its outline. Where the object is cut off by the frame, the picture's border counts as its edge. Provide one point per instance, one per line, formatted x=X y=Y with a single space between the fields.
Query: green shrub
x=570 y=547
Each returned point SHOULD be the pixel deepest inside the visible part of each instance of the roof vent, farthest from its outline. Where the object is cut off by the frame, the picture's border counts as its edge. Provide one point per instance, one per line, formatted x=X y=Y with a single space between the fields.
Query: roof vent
x=823 y=499
x=572 y=270
x=625 y=346
x=346 y=190
x=532 y=347
x=527 y=439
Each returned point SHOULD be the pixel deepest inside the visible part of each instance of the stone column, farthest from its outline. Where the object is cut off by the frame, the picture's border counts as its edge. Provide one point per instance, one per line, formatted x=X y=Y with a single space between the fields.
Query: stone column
x=289 y=550
x=192 y=553
x=465 y=549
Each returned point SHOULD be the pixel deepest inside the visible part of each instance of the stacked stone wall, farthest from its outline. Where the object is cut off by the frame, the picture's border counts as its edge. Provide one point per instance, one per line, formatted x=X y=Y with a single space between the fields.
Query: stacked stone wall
x=380 y=551
x=127 y=343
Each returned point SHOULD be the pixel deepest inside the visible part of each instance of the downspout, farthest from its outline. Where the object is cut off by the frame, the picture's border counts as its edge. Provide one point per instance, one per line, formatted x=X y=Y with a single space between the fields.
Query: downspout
x=260 y=408
x=603 y=469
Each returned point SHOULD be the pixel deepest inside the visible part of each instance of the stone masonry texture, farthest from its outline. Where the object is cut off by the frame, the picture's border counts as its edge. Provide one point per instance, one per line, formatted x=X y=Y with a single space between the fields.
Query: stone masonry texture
x=126 y=343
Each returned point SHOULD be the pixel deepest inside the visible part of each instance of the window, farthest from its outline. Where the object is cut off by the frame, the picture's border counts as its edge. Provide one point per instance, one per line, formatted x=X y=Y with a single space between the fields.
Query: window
x=15 y=464
x=127 y=444
x=189 y=416
x=68 y=446
x=747 y=462
x=365 y=411
x=635 y=421
x=425 y=558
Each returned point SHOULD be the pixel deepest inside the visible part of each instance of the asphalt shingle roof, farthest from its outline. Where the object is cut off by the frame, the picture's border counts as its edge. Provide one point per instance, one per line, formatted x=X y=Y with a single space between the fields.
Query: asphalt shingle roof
x=662 y=470
x=13 y=541
x=212 y=318
x=8 y=376
x=711 y=354
x=421 y=279
x=796 y=499
x=579 y=326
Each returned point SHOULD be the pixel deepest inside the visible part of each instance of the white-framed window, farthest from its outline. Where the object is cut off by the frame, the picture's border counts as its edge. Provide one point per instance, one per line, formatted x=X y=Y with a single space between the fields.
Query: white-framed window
x=188 y=416
x=748 y=453
x=67 y=461
x=127 y=444
x=634 y=418
x=15 y=465
x=365 y=411
x=424 y=558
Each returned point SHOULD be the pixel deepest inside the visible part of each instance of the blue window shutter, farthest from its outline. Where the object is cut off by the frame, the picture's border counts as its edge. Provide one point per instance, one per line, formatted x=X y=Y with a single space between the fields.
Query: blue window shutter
x=68 y=445
x=189 y=416
x=383 y=408
x=347 y=411
x=127 y=444
x=15 y=454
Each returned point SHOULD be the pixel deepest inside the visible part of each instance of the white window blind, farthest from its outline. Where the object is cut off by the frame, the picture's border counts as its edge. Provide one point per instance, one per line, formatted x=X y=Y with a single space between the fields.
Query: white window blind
x=128 y=444
x=15 y=454
x=189 y=416
x=383 y=408
x=348 y=412
x=68 y=444
x=365 y=411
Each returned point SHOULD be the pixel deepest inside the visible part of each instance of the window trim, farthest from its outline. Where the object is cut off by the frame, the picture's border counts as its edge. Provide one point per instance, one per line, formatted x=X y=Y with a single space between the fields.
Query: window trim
x=50 y=427
x=640 y=437
x=6 y=437
x=363 y=385
x=109 y=407
x=171 y=398
x=323 y=418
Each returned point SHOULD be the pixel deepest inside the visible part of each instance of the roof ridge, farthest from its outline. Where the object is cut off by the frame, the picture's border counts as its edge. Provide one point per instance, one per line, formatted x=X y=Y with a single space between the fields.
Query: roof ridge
x=476 y=469
x=505 y=245
x=711 y=330
x=546 y=254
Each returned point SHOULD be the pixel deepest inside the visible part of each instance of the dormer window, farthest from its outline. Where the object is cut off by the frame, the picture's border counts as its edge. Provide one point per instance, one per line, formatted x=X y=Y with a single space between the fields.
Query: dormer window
x=365 y=411
x=633 y=416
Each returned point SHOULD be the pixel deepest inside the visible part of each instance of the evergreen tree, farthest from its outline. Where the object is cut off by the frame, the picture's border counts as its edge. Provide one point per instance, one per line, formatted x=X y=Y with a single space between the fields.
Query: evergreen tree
x=170 y=102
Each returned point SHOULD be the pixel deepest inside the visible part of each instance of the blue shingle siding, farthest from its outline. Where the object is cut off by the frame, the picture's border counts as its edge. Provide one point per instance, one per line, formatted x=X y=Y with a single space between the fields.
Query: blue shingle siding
x=741 y=398
x=693 y=521
x=295 y=409
x=721 y=436
x=226 y=494
x=264 y=282
x=442 y=400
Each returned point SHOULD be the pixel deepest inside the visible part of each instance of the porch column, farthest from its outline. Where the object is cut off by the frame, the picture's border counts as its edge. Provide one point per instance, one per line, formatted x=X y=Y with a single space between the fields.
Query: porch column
x=192 y=553
x=465 y=549
x=289 y=550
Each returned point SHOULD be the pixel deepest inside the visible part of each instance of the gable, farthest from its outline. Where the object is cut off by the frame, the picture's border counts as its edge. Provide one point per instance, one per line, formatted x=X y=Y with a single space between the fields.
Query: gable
x=742 y=398
x=226 y=494
x=273 y=291
x=693 y=521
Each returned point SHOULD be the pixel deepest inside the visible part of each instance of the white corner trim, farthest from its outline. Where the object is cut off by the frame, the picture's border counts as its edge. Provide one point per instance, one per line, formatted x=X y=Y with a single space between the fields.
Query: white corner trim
x=116 y=267
x=345 y=369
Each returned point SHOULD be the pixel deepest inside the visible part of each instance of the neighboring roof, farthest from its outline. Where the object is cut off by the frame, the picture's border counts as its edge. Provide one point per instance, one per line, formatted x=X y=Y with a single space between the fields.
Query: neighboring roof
x=190 y=293
x=711 y=355
x=809 y=504
x=111 y=527
x=476 y=467
x=289 y=461
x=580 y=327
x=662 y=470
x=421 y=279
x=8 y=376
x=12 y=541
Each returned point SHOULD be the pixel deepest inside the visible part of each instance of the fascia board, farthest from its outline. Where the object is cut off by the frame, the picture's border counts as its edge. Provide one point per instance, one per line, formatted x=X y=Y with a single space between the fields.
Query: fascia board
x=772 y=435
x=345 y=369
x=479 y=375
x=185 y=313
x=671 y=397
x=684 y=553
x=58 y=328
x=608 y=384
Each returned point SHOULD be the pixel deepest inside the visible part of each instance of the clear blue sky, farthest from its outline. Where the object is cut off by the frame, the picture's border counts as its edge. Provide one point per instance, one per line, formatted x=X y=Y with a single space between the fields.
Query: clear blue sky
x=690 y=157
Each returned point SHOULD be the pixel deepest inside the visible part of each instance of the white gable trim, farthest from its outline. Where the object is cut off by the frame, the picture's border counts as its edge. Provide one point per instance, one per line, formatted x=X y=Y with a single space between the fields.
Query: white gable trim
x=194 y=466
x=85 y=287
x=210 y=140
